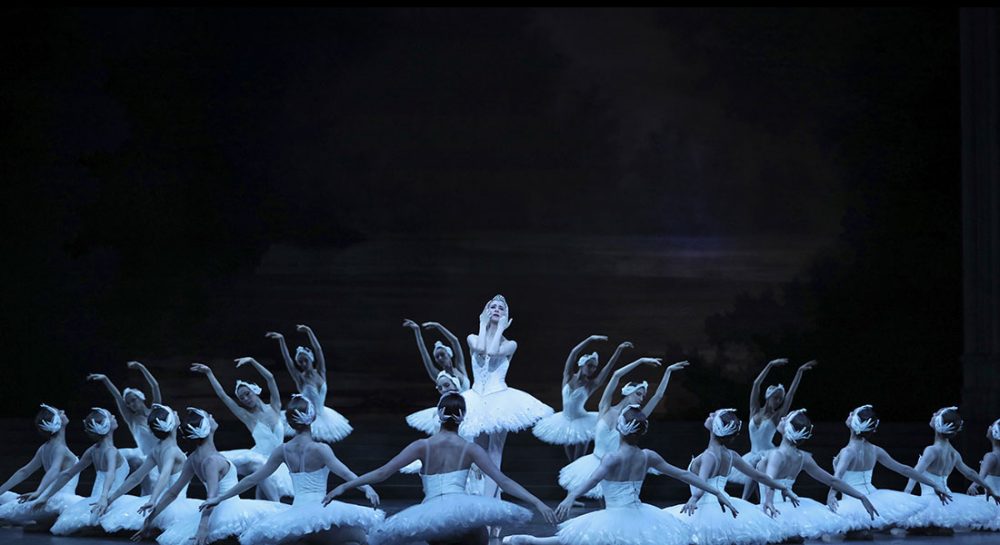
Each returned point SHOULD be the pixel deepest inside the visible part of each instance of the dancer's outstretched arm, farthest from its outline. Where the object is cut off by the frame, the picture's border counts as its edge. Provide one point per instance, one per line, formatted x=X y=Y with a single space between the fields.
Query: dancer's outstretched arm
x=341 y=470
x=662 y=388
x=787 y=405
x=213 y=474
x=275 y=460
x=238 y=411
x=422 y=348
x=745 y=468
x=986 y=467
x=603 y=375
x=813 y=470
x=508 y=485
x=153 y=385
x=26 y=471
x=115 y=393
x=882 y=457
x=974 y=477
x=317 y=349
x=706 y=469
x=162 y=483
x=405 y=457
x=187 y=473
x=574 y=356
x=755 y=404
x=272 y=385
x=456 y=347
x=655 y=461
x=289 y=365
x=616 y=377
x=46 y=491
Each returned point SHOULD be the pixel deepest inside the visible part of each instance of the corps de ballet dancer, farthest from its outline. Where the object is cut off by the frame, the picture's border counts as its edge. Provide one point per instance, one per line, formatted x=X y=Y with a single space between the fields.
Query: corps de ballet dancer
x=262 y=420
x=574 y=426
x=228 y=519
x=810 y=519
x=854 y=465
x=132 y=409
x=428 y=421
x=937 y=462
x=448 y=515
x=606 y=436
x=307 y=520
x=494 y=409
x=710 y=525
x=110 y=467
x=446 y=358
x=52 y=457
x=989 y=472
x=308 y=371
x=764 y=418
x=123 y=512
x=625 y=520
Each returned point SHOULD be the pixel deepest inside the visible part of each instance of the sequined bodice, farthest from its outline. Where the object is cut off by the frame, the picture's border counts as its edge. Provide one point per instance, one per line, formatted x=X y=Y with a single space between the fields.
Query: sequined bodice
x=266 y=439
x=486 y=381
x=606 y=439
x=619 y=494
x=573 y=400
x=861 y=480
x=938 y=479
x=440 y=484
x=762 y=436
x=309 y=486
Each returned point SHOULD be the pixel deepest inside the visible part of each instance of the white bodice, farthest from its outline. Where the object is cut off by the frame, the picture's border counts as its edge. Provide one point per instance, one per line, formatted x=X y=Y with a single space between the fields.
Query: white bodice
x=440 y=484
x=619 y=494
x=777 y=494
x=861 y=480
x=606 y=439
x=486 y=381
x=266 y=439
x=573 y=400
x=228 y=481
x=118 y=478
x=719 y=482
x=315 y=394
x=993 y=481
x=309 y=486
x=762 y=436
x=144 y=438
x=939 y=479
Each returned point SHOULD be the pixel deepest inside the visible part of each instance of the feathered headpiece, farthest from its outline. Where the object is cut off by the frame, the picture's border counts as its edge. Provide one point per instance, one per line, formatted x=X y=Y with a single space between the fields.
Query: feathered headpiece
x=165 y=425
x=720 y=428
x=451 y=378
x=52 y=425
x=627 y=427
x=136 y=392
x=995 y=430
x=633 y=387
x=789 y=431
x=202 y=430
x=308 y=416
x=307 y=351
x=585 y=358
x=98 y=428
x=937 y=422
x=447 y=349
x=857 y=425
x=773 y=389
x=248 y=385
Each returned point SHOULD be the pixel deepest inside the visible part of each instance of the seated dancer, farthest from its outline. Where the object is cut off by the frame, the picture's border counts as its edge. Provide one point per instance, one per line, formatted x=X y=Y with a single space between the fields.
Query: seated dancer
x=308 y=370
x=123 y=512
x=989 y=472
x=53 y=457
x=307 y=519
x=228 y=519
x=447 y=359
x=625 y=520
x=132 y=408
x=447 y=514
x=111 y=469
x=573 y=427
x=937 y=462
x=810 y=519
x=606 y=436
x=854 y=465
x=262 y=420
x=764 y=418
x=710 y=525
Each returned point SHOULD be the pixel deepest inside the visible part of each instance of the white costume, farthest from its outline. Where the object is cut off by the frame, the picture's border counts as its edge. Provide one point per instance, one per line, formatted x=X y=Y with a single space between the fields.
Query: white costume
x=79 y=515
x=330 y=426
x=573 y=425
x=625 y=520
x=606 y=439
x=265 y=440
x=492 y=406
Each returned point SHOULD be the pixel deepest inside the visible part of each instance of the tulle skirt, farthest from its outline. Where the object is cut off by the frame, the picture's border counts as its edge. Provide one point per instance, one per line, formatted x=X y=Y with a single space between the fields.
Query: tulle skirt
x=329 y=426
x=76 y=517
x=277 y=485
x=297 y=521
x=8 y=497
x=962 y=512
x=230 y=518
x=577 y=473
x=993 y=524
x=508 y=410
x=811 y=520
x=124 y=513
x=751 y=458
x=558 y=429
x=21 y=514
x=447 y=516
x=425 y=420
x=894 y=508
x=712 y=526
x=641 y=524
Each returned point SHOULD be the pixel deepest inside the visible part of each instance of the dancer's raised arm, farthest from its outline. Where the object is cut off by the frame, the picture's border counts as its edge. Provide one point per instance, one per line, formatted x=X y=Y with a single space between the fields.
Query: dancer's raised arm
x=422 y=348
x=115 y=393
x=239 y=412
x=787 y=405
x=317 y=349
x=456 y=346
x=272 y=385
x=605 y=372
x=289 y=364
x=616 y=377
x=153 y=384
x=661 y=389
x=574 y=356
x=755 y=405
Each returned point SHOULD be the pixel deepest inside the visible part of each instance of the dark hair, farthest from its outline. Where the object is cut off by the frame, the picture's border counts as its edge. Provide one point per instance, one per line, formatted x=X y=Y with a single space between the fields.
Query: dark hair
x=190 y=420
x=96 y=417
x=631 y=414
x=952 y=417
x=801 y=422
x=46 y=415
x=728 y=418
x=867 y=413
x=158 y=413
x=452 y=405
x=300 y=404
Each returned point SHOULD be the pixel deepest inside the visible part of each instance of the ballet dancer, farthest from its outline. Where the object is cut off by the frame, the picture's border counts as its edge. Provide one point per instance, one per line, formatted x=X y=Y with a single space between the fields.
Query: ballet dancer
x=989 y=472
x=447 y=359
x=574 y=426
x=307 y=520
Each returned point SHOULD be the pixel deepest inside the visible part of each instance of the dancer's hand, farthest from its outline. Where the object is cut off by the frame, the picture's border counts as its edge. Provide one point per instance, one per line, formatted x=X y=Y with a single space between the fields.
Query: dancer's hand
x=690 y=507
x=99 y=507
x=134 y=365
x=625 y=345
x=503 y=324
x=655 y=362
x=332 y=494
x=808 y=365
x=547 y=513
x=201 y=368
x=724 y=503
x=209 y=503
x=146 y=509
x=943 y=493
x=593 y=338
x=678 y=366
x=484 y=317
x=371 y=495
x=770 y=510
x=143 y=532
x=274 y=335
x=869 y=507
x=97 y=377
x=831 y=502
x=564 y=508
x=991 y=495
x=240 y=362
x=778 y=362
x=24 y=498
x=789 y=496
x=201 y=538
x=973 y=490
x=410 y=324
x=302 y=328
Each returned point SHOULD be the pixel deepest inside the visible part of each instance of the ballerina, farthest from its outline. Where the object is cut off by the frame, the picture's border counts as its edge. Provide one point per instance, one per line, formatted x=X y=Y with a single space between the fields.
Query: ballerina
x=810 y=519
x=764 y=418
x=573 y=427
x=625 y=520
x=989 y=472
x=53 y=457
x=121 y=511
x=111 y=469
x=307 y=519
x=132 y=408
x=494 y=409
x=606 y=437
x=854 y=465
x=448 y=359
x=218 y=474
x=262 y=420
x=448 y=514
x=308 y=370
x=711 y=526
x=937 y=462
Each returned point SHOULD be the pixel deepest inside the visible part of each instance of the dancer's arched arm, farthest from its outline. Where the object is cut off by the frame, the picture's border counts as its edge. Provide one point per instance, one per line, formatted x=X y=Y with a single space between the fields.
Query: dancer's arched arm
x=275 y=460
x=456 y=347
x=605 y=372
x=425 y=356
x=497 y=346
x=706 y=468
x=317 y=349
x=662 y=387
x=882 y=457
x=272 y=385
x=341 y=470
x=757 y=382
x=574 y=356
x=26 y=471
x=154 y=386
x=289 y=365
x=616 y=377
x=407 y=456
x=115 y=394
x=813 y=470
x=239 y=412
x=46 y=491
x=655 y=461
x=787 y=405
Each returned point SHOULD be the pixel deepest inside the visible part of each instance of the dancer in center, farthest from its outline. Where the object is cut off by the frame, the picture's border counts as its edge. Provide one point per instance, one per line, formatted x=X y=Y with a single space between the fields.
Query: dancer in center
x=448 y=515
x=573 y=427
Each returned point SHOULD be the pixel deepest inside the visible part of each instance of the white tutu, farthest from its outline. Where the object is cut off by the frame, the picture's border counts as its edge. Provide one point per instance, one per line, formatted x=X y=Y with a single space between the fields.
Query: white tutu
x=963 y=512
x=448 y=515
x=229 y=519
x=508 y=410
x=640 y=524
x=810 y=520
x=123 y=514
x=79 y=515
x=7 y=497
x=577 y=473
x=558 y=429
x=302 y=520
x=425 y=420
x=712 y=526
x=16 y=513
x=277 y=485
x=329 y=426
x=894 y=508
